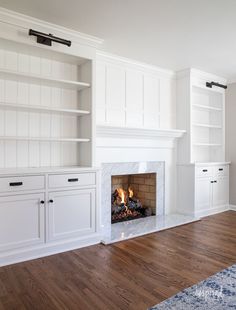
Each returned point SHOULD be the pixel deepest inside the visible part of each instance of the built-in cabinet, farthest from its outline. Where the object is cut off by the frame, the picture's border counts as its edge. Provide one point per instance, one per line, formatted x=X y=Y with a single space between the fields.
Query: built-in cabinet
x=71 y=214
x=22 y=221
x=48 y=186
x=203 y=175
x=34 y=215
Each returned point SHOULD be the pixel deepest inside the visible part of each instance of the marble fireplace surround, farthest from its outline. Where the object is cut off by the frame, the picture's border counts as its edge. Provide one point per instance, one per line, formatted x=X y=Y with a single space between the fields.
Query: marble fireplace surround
x=111 y=169
x=129 y=229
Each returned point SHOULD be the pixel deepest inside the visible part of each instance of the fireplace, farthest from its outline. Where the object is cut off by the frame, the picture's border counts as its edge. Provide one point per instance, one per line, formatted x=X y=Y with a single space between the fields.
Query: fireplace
x=133 y=196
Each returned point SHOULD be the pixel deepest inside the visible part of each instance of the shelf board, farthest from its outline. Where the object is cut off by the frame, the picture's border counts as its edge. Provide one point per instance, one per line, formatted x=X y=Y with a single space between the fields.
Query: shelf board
x=38 y=79
x=207 y=144
x=24 y=107
x=42 y=139
x=207 y=126
x=208 y=108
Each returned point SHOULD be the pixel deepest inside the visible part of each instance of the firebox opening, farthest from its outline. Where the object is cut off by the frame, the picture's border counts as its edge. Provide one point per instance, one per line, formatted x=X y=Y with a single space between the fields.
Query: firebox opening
x=133 y=196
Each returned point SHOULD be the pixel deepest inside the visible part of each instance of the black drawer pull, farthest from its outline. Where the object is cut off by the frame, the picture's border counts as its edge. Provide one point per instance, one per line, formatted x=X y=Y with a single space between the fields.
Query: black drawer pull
x=215 y=181
x=73 y=180
x=204 y=170
x=51 y=200
x=221 y=169
x=16 y=183
x=42 y=202
x=212 y=181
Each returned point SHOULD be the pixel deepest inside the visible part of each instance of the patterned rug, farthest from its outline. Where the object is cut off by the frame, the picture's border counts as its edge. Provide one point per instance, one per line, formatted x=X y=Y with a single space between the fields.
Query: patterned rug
x=217 y=292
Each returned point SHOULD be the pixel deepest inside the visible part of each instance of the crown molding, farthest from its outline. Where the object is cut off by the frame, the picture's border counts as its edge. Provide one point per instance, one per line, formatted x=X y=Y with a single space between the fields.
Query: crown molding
x=23 y=21
x=192 y=72
x=131 y=63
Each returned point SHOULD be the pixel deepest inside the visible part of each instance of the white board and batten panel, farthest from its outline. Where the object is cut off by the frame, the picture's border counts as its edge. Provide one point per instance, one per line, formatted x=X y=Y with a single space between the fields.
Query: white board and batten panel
x=132 y=94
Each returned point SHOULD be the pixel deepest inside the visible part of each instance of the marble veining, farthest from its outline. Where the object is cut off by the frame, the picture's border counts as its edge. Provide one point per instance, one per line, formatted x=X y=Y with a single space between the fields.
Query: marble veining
x=131 y=229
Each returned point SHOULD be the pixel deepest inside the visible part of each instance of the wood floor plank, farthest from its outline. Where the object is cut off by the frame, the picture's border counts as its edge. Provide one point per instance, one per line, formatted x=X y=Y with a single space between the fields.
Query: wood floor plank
x=129 y=275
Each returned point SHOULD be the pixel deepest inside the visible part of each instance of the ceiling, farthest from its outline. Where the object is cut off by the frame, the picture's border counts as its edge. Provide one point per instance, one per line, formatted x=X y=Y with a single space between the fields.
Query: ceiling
x=173 y=34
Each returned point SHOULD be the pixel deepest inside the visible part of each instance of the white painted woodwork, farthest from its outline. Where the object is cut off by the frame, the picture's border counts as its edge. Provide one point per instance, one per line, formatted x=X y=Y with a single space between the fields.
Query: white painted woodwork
x=203 y=194
x=44 y=96
x=22 y=183
x=134 y=95
x=201 y=112
x=208 y=184
x=71 y=214
x=221 y=191
x=71 y=180
x=21 y=221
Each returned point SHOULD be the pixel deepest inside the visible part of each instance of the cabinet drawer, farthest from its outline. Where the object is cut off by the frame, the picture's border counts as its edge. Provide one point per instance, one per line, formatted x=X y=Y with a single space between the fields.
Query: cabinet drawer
x=221 y=171
x=202 y=172
x=72 y=180
x=26 y=183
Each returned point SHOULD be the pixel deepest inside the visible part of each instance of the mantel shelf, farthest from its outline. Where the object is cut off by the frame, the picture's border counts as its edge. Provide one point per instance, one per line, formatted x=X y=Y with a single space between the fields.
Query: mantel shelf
x=128 y=132
x=25 y=107
x=38 y=79
x=43 y=139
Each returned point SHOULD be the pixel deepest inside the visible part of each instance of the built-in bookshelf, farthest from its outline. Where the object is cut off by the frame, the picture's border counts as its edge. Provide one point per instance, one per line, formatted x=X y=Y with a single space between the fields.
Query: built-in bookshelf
x=45 y=107
x=207 y=124
x=201 y=113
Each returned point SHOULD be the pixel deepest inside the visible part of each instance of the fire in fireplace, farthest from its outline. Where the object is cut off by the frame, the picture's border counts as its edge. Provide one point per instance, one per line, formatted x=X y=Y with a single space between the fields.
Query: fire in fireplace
x=133 y=196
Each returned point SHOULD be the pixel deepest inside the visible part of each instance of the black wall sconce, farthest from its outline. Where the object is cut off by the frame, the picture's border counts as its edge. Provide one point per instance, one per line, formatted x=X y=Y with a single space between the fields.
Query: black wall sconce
x=47 y=39
x=210 y=84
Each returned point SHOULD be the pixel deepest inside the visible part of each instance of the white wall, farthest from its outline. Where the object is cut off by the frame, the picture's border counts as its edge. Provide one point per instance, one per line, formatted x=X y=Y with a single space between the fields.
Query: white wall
x=230 y=114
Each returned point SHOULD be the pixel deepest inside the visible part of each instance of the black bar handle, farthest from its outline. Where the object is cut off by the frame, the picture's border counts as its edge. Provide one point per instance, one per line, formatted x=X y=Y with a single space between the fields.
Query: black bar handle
x=73 y=180
x=221 y=169
x=16 y=183
x=204 y=170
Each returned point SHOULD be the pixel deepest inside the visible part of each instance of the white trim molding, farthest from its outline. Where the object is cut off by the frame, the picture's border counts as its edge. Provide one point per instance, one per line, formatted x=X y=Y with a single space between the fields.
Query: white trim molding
x=232 y=207
x=133 y=64
x=15 y=19
x=140 y=133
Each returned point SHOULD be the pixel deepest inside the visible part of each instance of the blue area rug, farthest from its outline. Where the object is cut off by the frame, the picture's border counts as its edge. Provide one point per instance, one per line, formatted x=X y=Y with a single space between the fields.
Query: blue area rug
x=215 y=293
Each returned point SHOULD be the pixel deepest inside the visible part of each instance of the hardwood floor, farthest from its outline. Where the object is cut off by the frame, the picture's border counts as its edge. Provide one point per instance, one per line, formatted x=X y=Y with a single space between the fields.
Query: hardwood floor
x=134 y=274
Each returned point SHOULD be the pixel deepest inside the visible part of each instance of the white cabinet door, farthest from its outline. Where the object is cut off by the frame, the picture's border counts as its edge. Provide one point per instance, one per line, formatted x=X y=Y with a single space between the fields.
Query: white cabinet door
x=21 y=221
x=71 y=213
x=203 y=194
x=221 y=192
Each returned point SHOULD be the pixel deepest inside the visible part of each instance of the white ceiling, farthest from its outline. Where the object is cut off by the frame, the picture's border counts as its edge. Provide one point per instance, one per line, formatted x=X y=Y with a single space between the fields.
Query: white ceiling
x=173 y=34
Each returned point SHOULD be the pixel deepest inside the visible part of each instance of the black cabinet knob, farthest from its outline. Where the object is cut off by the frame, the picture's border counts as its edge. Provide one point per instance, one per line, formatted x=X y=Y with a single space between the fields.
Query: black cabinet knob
x=212 y=181
x=51 y=201
x=42 y=202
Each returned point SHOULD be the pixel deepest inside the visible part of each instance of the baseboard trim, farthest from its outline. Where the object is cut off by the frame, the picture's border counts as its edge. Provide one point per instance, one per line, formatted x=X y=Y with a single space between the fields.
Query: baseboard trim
x=47 y=249
x=213 y=211
x=232 y=207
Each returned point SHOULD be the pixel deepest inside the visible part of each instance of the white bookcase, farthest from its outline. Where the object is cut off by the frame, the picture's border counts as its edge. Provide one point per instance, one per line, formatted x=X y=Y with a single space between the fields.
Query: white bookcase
x=203 y=174
x=45 y=107
x=200 y=111
x=207 y=124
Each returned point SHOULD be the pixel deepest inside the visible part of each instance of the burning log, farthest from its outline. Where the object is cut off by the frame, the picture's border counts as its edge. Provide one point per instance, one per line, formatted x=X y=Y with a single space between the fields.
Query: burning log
x=125 y=206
